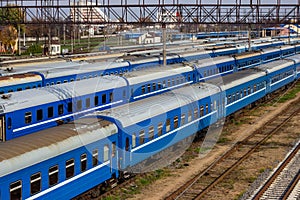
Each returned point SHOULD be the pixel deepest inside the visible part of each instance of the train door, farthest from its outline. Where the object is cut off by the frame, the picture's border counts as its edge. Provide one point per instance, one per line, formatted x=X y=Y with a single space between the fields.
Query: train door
x=2 y=128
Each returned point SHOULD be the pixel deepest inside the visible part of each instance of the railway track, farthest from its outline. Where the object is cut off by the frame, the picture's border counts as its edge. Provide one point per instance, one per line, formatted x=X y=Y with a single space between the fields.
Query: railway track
x=202 y=183
x=283 y=180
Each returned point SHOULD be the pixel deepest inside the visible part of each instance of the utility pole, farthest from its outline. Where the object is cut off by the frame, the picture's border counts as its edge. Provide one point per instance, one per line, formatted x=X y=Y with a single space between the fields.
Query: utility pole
x=249 y=38
x=164 y=44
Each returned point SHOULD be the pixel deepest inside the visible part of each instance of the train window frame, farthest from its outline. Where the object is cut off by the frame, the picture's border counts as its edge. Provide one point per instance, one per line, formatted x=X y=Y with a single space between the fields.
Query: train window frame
x=88 y=102
x=50 y=112
x=168 y=125
x=72 y=80
x=53 y=174
x=113 y=149
x=127 y=144
x=96 y=100
x=58 y=82
x=133 y=142
x=70 y=168
x=124 y=94
x=95 y=159
x=201 y=111
x=182 y=120
x=83 y=162
x=19 y=89
x=103 y=98
x=142 y=137
x=195 y=113
x=143 y=89
x=70 y=107
x=189 y=116
x=149 y=87
x=151 y=133
x=15 y=186
x=28 y=117
x=79 y=104
x=39 y=115
x=60 y=109
x=35 y=183
x=206 y=108
x=153 y=86
x=111 y=97
x=169 y=83
x=159 y=129
x=176 y=125
x=173 y=81
x=105 y=153
x=9 y=123
x=65 y=81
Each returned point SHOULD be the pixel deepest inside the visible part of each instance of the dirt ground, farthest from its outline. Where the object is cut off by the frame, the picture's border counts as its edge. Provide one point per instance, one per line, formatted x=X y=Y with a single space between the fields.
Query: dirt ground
x=259 y=162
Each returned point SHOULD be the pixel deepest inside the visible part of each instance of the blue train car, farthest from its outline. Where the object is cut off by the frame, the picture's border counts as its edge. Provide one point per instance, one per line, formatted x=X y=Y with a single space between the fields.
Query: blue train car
x=153 y=124
x=60 y=162
x=33 y=110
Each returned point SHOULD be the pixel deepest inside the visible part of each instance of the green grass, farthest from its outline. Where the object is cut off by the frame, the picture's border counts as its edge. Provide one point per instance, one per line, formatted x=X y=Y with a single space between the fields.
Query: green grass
x=222 y=140
x=290 y=95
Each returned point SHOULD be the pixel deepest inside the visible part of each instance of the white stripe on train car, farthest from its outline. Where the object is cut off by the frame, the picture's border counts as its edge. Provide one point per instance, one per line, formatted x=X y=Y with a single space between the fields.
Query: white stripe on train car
x=67 y=181
x=159 y=138
x=282 y=79
x=58 y=118
x=215 y=75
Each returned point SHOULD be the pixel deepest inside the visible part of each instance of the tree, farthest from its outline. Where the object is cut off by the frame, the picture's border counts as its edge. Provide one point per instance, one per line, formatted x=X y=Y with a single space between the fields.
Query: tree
x=9 y=38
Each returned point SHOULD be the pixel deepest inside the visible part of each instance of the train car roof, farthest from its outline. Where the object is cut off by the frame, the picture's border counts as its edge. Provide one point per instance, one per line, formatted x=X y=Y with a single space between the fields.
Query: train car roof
x=247 y=54
x=19 y=79
x=31 y=149
x=139 y=111
x=34 y=97
x=237 y=78
x=295 y=58
x=275 y=65
x=139 y=76
x=213 y=61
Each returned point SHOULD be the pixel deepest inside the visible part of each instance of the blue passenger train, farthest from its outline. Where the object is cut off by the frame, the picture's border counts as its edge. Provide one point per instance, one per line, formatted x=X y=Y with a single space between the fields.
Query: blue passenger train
x=72 y=71
x=67 y=160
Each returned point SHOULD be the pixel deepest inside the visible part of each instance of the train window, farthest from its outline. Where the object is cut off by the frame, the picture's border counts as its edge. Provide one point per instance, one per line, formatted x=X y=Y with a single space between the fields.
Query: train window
x=47 y=84
x=105 y=153
x=173 y=81
x=70 y=168
x=182 y=121
x=60 y=109
x=149 y=87
x=103 y=98
x=53 y=175
x=201 y=111
x=34 y=86
x=35 y=183
x=164 y=83
x=113 y=150
x=182 y=79
x=83 y=162
x=39 y=114
x=228 y=100
x=77 y=79
x=96 y=100
x=215 y=105
x=133 y=140
x=189 y=116
x=84 y=77
x=90 y=76
x=195 y=113
x=95 y=157
x=177 y=81
x=88 y=102
x=189 y=77
x=10 y=91
x=111 y=97
x=19 y=89
x=151 y=133
x=206 y=108
x=159 y=129
x=9 y=123
x=233 y=97
x=124 y=94
x=52 y=83
x=127 y=144
x=143 y=89
x=28 y=118
x=15 y=190
x=1 y=92
x=58 y=82
x=237 y=96
x=154 y=86
x=50 y=112
x=168 y=125
x=249 y=90
x=70 y=107
x=65 y=81
x=175 y=122
x=159 y=85
x=131 y=92
x=142 y=137
x=245 y=92
x=169 y=83
x=79 y=104
x=204 y=75
x=28 y=87
x=72 y=80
